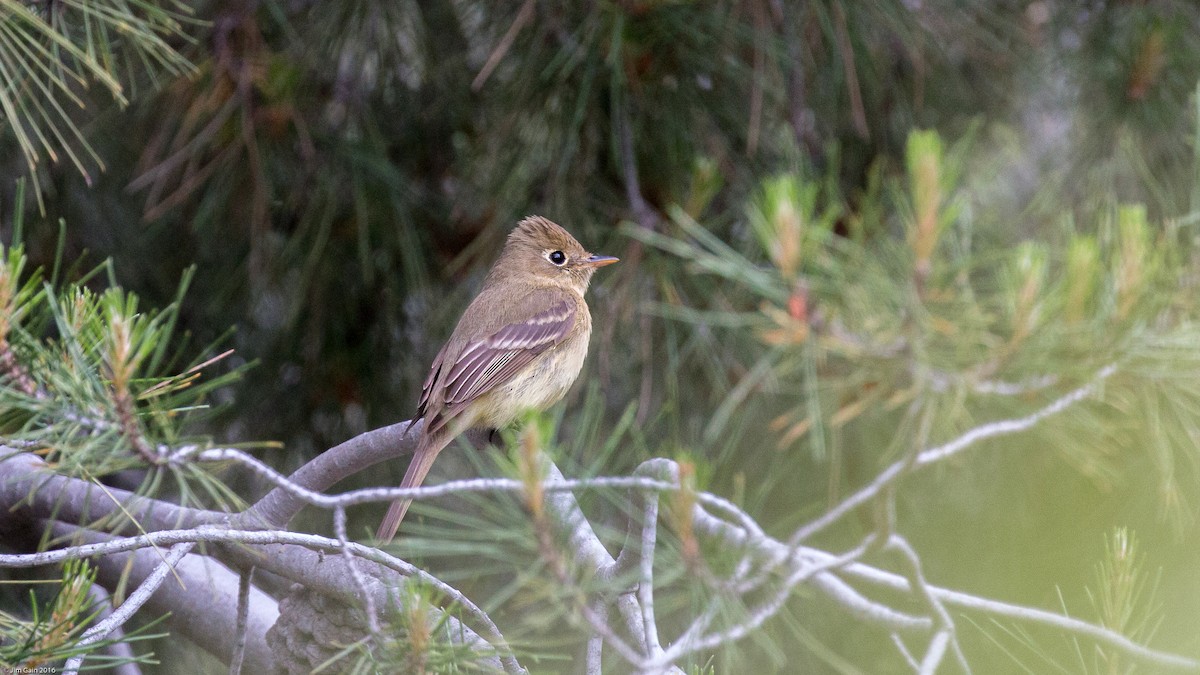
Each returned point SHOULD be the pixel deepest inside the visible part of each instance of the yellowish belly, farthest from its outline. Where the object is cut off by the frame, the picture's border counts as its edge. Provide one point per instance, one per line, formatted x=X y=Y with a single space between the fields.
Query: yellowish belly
x=540 y=385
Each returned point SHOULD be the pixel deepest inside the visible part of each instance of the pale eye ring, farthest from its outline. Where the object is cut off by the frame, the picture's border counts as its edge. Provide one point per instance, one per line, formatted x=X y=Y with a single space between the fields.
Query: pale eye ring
x=557 y=257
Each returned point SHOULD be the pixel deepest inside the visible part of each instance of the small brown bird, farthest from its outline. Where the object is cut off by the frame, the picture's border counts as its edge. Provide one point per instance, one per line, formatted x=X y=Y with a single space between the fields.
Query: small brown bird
x=519 y=346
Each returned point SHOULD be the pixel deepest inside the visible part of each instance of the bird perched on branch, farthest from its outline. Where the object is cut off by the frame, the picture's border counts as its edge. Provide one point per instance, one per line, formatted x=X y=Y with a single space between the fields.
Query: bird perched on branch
x=519 y=346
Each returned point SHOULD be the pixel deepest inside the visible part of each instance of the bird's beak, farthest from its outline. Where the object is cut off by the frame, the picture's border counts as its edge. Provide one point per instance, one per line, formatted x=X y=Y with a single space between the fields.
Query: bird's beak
x=599 y=260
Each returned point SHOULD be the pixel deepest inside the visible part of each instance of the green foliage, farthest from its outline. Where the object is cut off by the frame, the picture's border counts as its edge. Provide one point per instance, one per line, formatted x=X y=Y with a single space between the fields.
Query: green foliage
x=324 y=164
x=50 y=53
x=884 y=346
x=418 y=641
x=816 y=291
x=47 y=636
x=96 y=386
x=99 y=386
x=785 y=215
x=1124 y=596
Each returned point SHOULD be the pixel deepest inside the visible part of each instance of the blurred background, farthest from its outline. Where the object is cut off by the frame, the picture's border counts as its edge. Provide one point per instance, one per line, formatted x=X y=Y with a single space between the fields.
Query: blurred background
x=809 y=287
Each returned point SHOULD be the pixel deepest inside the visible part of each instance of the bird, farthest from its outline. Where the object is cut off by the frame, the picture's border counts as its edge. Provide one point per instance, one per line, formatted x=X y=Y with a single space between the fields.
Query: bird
x=518 y=346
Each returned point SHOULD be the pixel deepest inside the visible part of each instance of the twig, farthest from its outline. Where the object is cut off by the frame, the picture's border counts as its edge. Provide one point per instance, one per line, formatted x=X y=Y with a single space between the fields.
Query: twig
x=542 y=527
x=368 y=495
x=946 y=634
x=595 y=644
x=243 y=614
x=936 y=651
x=339 y=529
x=888 y=618
x=118 y=649
x=798 y=565
x=933 y=455
x=126 y=413
x=754 y=126
x=857 y=110
x=598 y=620
x=646 y=569
x=903 y=649
x=693 y=639
x=209 y=624
x=590 y=553
x=995 y=608
x=1013 y=426
x=132 y=604
x=645 y=216
x=259 y=538
x=523 y=17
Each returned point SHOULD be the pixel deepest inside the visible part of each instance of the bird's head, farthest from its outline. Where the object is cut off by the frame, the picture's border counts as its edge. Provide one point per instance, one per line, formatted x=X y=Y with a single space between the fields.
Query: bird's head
x=544 y=249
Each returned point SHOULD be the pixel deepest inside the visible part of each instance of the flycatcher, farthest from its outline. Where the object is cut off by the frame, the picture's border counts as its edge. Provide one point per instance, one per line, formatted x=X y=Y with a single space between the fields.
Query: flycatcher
x=519 y=346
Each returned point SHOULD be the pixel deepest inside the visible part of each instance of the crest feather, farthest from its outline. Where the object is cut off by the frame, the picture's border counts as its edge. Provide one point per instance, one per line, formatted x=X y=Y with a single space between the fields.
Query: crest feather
x=539 y=230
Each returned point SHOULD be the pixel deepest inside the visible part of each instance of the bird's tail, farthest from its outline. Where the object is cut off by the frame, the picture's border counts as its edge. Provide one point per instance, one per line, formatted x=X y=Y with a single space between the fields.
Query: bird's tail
x=427 y=451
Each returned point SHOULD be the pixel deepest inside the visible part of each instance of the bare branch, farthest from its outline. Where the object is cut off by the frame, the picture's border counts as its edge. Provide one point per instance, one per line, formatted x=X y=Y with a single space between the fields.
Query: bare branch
x=127 y=609
x=646 y=571
x=102 y=550
x=946 y=634
x=903 y=649
x=363 y=451
x=564 y=514
x=239 y=649
x=339 y=529
x=997 y=609
x=867 y=610
x=933 y=455
x=30 y=488
x=786 y=566
x=642 y=212
x=118 y=649
x=524 y=15
x=211 y=625
x=593 y=662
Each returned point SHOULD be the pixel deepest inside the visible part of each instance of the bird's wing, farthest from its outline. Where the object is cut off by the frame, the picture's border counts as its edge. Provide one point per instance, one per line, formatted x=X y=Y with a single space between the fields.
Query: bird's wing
x=488 y=362
x=427 y=385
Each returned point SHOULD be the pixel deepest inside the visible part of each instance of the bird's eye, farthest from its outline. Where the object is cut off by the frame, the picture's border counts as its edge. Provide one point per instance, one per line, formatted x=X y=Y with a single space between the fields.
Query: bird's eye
x=558 y=258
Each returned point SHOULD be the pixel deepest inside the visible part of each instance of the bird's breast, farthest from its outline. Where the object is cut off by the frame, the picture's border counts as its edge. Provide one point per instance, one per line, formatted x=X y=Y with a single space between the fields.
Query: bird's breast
x=538 y=386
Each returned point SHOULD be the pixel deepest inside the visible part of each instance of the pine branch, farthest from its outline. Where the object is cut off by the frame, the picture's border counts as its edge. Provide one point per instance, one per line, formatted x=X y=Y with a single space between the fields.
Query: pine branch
x=807 y=566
